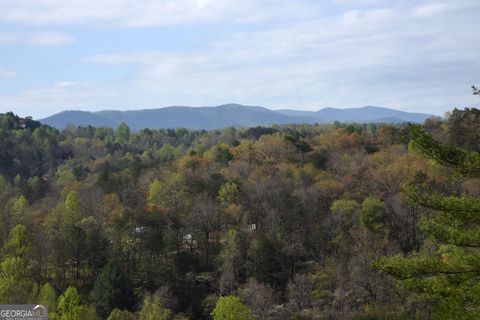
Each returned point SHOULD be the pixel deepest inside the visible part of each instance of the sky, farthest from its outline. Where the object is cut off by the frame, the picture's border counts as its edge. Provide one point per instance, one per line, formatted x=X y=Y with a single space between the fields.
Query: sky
x=419 y=56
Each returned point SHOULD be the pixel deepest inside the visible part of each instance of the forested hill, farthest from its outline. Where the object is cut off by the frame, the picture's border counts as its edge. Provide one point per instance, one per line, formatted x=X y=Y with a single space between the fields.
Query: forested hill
x=326 y=221
x=226 y=116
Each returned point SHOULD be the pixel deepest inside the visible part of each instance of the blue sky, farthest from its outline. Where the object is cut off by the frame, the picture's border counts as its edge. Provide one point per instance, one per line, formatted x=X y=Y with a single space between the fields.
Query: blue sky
x=420 y=56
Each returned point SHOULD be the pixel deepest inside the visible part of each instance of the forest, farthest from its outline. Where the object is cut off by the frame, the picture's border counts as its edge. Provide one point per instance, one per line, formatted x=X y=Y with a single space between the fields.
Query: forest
x=340 y=221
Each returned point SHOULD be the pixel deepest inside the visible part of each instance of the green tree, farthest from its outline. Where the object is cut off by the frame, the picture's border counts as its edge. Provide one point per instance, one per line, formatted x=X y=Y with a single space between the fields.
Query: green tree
x=16 y=282
x=17 y=268
x=118 y=314
x=265 y=261
x=230 y=308
x=19 y=209
x=123 y=132
x=372 y=215
x=109 y=290
x=155 y=193
x=228 y=193
x=447 y=270
x=153 y=309
x=345 y=209
x=69 y=307
x=72 y=207
x=48 y=297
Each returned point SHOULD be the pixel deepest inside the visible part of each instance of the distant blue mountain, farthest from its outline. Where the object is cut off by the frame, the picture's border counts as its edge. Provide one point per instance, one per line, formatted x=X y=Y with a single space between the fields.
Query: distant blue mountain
x=78 y=118
x=225 y=116
x=360 y=115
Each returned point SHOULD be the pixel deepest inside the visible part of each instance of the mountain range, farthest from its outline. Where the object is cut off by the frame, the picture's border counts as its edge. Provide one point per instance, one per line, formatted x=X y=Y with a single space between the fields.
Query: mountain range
x=227 y=115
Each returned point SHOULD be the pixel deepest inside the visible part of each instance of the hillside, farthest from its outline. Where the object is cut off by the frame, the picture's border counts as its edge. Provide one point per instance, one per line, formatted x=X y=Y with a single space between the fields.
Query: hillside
x=225 y=116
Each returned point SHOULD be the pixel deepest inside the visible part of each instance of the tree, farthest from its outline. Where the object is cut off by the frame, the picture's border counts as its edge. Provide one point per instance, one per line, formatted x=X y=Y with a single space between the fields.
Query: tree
x=48 y=297
x=372 y=215
x=19 y=209
x=258 y=298
x=345 y=209
x=230 y=308
x=17 y=268
x=110 y=290
x=447 y=270
x=265 y=261
x=69 y=307
x=228 y=193
x=229 y=256
x=462 y=128
x=118 y=314
x=16 y=283
x=153 y=309
x=72 y=207
x=123 y=132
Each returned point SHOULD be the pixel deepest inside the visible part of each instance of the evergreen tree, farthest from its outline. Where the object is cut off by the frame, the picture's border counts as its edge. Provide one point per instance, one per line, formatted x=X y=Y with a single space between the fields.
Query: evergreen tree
x=69 y=307
x=17 y=268
x=448 y=271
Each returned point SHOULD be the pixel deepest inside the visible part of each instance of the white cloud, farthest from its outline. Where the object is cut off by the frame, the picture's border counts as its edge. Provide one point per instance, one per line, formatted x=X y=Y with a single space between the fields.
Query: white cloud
x=145 y=12
x=50 y=38
x=35 y=38
x=431 y=9
x=7 y=74
x=391 y=56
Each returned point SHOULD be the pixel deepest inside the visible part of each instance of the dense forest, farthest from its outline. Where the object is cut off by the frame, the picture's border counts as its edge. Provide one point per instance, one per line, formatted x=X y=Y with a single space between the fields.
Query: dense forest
x=341 y=221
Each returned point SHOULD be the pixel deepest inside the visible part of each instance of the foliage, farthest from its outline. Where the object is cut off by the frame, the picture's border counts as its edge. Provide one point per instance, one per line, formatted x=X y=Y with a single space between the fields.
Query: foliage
x=230 y=308
x=153 y=309
x=373 y=215
x=287 y=218
x=69 y=307
x=447 y=272
x=118 y=314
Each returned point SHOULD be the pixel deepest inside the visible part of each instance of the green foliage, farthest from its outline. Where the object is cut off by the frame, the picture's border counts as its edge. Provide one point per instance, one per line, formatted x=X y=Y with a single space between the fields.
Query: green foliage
x=48 y=297
x=153 y=309
x=69 y=307
x=228 y=193
x=118 y=314
x=230 y=308
x=109 y=290
x=447 y=273
x=465 y=163
x=20 y=243
x=346 y=208
x=272 y=214
x=16 y=283
x=372 y=215
x=19 y=208
x=154 y=193
x=123 y=132
x=265 y=261
x=463 y=130
x=17 y=268
x=72 y=206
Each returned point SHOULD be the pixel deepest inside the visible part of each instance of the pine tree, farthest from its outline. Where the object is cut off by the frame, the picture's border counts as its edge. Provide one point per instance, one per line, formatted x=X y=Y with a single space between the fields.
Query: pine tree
x=447 y=270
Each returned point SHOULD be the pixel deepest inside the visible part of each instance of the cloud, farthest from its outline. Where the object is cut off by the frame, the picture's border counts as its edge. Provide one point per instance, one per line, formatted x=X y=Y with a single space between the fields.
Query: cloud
x=7 y=74
x=391 y=56
x=146 y=12
x=35 y=38
x=49 y=39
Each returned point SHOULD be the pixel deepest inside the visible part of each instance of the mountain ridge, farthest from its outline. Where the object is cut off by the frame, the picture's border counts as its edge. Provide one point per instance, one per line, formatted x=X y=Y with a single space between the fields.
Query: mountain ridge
x=226 y=115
